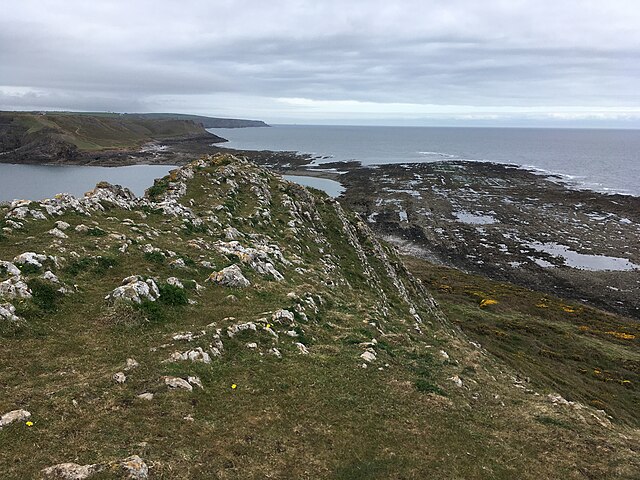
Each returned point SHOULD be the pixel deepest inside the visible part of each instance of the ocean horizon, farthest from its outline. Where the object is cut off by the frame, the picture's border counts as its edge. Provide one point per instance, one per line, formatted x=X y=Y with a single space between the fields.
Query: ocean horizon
x=599 y=159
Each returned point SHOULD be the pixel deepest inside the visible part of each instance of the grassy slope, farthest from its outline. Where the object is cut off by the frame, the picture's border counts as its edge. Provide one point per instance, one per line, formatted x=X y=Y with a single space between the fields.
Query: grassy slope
x=585 y=354
x=108 y=131
x=303 y=416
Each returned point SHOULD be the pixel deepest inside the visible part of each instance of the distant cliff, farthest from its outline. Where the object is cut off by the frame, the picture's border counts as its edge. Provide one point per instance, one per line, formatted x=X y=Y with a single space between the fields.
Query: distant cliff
x=206 y=122
x=61 y=137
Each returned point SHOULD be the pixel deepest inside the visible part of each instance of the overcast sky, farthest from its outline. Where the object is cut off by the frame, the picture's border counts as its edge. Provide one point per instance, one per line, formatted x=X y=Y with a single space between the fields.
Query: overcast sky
x=503 y=62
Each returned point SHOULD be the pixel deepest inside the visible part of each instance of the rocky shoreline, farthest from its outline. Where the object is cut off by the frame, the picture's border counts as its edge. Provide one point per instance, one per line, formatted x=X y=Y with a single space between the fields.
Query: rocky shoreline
x=502 y=221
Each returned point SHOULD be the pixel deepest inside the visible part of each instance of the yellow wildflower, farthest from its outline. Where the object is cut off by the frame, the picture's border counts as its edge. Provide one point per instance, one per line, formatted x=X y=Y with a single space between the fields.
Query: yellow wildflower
x=234 y=386
x=622 y=335
x=487 y=301
x=29 y=423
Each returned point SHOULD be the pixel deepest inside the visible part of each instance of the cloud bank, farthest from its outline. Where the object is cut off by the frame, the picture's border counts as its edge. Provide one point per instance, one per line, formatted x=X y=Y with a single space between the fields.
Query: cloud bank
x=362 y=61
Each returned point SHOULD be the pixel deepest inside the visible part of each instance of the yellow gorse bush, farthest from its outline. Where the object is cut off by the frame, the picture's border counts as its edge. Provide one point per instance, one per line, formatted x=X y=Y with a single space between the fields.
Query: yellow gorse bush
x=622 y=335
x=488 y=301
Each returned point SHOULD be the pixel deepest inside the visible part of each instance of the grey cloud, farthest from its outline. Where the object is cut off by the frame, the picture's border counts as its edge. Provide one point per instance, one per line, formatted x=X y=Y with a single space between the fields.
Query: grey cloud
x=129 y=55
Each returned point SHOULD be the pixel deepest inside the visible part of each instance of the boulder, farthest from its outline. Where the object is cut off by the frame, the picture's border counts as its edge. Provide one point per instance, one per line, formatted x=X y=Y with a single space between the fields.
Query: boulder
x=135 y=290
x=56 y=232
x=30 y=258
x=10 y=268
x=195 y=355
x=233 y=330
x=175 y=282
x=176 y=382
x=60 y=225
x=15 y=287
x=457 y=380
x=131 y=364
x=51 y=277
x=230 y=277
x=71 y=471
x=282 y=314
x=14 y=416
x=195 y=381
x=135 y=468
x=7 y=312
x=368 y=356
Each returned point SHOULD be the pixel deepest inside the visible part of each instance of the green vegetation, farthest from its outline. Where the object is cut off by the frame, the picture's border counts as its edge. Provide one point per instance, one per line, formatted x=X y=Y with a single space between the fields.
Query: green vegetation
x=584 y=354
x=44 y=294
x=95 y=132
x=154 y=257
x=172 y=295
x=328 y=413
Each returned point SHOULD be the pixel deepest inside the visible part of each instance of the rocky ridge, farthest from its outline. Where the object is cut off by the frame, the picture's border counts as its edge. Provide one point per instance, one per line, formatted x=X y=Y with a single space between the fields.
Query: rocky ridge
x=222 y=293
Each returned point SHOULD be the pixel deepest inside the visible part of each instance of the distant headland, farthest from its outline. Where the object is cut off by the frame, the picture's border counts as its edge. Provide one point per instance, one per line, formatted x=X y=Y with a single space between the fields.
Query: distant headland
x=107 y=138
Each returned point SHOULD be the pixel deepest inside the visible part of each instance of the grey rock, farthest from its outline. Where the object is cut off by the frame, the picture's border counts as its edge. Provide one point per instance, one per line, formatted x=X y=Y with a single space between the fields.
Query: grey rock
x=8 y=312
x=195 y=381
x=195 y=355
x=71 y=471
x=131 y=364
x=135 y=468
x=230 y=277
x=176 y=382
x=282 y=315
x=14 y=416
x=30 y=258
x=60 y=225
x=15 y=287
x=368 y=356
x=175 y=282
x=241 y=327
x=50 y=276
x=134 y=289
x=10 y=268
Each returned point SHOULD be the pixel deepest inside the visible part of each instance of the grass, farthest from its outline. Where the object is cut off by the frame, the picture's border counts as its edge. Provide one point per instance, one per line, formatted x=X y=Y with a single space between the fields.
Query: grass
x=172 y=295
x=95 y=132
x=584 y=354
x=45 y=294
x=320 y=415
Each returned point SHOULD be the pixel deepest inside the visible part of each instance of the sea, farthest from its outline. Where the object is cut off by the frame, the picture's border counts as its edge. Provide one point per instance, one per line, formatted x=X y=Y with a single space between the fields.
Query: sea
x=35 y=182
x=597 y=159
x=603 y=160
